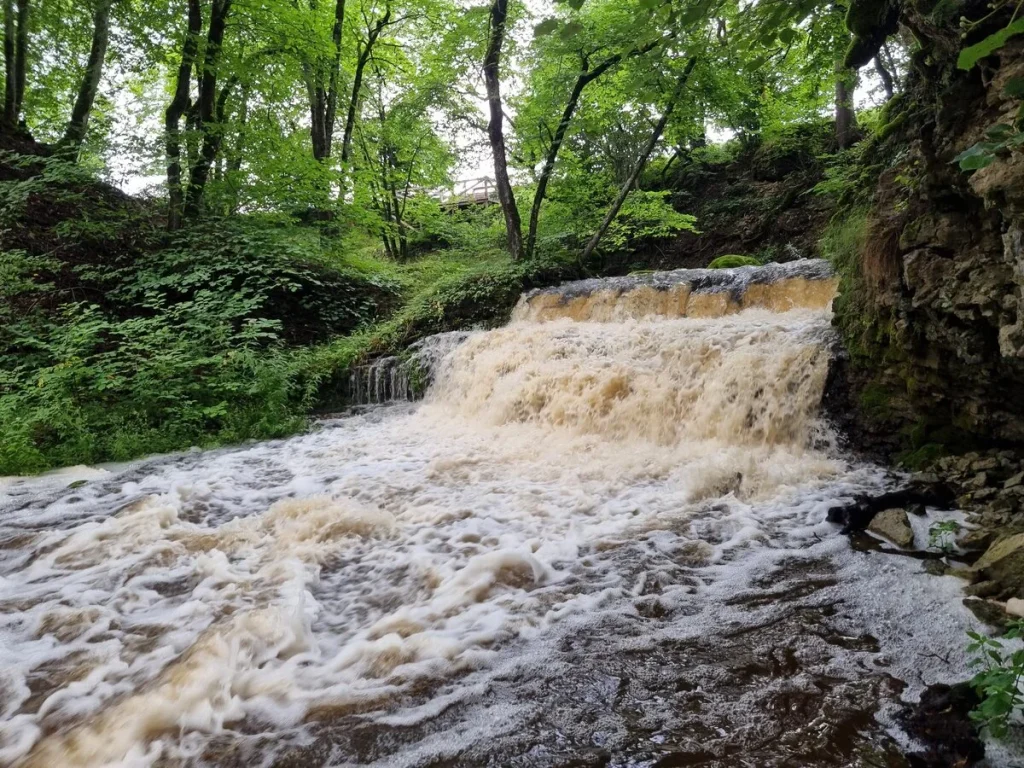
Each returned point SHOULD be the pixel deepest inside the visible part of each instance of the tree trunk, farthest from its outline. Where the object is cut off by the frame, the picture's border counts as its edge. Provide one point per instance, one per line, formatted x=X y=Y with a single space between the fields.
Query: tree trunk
x=20 y=59
x=322 y=88
x=586 y=77
x=357 y=84
x=211 y=109
x=884 y=74
x=178 y=106
x=846 y=118
x=332 y=84
x=317 y=109
x=79 y=123
x=10 y=119
x=234 y=160
x=642 y=162
x=495 y=129
x=15 y=65
x=549 y=161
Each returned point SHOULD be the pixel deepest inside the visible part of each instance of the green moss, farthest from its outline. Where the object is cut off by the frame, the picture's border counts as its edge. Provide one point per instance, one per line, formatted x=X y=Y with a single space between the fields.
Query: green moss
x=921 y=458
x=733 y=260
x=876 y=399
x=892 y=126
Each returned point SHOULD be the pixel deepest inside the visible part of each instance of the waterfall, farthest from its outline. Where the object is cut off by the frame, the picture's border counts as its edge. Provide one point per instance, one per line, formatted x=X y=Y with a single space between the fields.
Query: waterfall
x=802 y=284
x=604 y=525
x=396 y=379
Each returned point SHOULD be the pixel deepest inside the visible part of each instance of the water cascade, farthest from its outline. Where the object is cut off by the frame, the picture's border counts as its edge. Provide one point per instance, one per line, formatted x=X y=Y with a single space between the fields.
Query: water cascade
x=394 y=379
x=600 y=539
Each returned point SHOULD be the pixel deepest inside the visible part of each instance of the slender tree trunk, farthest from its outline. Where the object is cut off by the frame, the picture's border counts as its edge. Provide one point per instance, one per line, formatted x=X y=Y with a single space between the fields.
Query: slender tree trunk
x=652 y=142
x=317 y=126
x=332 y=84
x=172 y=118
x=20 y=58
x=234 y=160
x=10 y=119
x=549 y=161
x=846 y=118
x=884 y=74
x=401 y=240
x=211 y=109
x=15 y=64
x=379 y=200
x=79 y=123
x=322 y=87
x=357 y=84
x=584 y=79
x=676 y=154
x=496 y=132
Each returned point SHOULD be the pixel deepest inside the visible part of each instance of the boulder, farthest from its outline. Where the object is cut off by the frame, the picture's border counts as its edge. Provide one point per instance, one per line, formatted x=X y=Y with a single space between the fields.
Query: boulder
x=892 y=524
x=976 y=540
x=1004 y=562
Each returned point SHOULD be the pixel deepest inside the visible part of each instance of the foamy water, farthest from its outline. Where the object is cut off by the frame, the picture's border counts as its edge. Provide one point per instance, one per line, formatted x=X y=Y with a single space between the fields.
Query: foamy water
x=414 y=584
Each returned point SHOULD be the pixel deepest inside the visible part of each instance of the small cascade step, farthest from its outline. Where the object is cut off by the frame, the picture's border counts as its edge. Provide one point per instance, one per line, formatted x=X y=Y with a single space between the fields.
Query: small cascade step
x=396 y=379
x=802 y=284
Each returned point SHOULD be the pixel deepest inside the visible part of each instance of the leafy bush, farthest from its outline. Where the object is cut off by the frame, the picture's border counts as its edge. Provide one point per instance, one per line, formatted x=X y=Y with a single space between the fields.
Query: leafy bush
x=731 y=261
x=116 y=341
x=998 y=682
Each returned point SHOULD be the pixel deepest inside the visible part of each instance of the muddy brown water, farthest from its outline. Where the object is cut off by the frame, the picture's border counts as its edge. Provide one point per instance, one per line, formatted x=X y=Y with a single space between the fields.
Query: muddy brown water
x=600 y=541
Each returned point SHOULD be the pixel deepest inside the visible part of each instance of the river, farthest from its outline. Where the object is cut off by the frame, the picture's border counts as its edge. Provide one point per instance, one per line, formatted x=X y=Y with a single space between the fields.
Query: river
x=599 y=541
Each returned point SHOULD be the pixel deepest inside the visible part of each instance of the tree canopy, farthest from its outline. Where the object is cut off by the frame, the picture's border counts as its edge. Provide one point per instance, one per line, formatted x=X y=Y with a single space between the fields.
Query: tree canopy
x=349 y=110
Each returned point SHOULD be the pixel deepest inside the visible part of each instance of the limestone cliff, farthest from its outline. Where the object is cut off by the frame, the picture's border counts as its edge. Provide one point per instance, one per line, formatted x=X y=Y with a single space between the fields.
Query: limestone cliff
x=933 y=305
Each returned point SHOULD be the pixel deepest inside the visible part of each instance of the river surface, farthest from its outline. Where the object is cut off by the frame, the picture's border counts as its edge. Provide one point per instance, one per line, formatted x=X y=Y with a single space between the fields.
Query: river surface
x=594 y=544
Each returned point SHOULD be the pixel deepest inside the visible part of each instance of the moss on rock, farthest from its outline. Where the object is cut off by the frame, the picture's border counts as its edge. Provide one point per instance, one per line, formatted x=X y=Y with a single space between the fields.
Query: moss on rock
x=732 y=260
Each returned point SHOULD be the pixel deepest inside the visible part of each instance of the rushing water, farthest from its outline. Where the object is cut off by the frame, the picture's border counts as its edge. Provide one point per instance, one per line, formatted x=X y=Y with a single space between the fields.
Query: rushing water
x=595 y=543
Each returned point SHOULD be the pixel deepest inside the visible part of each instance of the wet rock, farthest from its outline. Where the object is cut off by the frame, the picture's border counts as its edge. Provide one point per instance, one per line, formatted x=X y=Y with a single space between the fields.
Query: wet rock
x=892 y=524
x=1015 y=607
x=977 y=540
x=1004 y=562
x=858 y=514
x=920 y=510
x=982 y=589
x=987 y=612
x=980 y=480
x=941 y=721
x=1014 y=481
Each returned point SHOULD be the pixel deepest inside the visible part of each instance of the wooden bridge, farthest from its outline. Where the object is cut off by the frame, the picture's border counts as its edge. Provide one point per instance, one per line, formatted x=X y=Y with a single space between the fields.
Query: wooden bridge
x=466 y=193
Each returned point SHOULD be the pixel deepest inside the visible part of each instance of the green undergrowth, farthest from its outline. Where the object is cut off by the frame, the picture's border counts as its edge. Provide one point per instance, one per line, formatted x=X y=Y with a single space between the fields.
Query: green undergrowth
x=121 y=341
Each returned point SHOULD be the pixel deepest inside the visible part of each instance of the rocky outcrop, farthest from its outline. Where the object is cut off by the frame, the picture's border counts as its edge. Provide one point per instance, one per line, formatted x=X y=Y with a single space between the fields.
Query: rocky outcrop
x=934 y=305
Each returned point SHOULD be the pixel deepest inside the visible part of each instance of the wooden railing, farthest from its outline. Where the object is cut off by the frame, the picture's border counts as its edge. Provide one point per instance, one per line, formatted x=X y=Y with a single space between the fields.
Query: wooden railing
x=465 y=193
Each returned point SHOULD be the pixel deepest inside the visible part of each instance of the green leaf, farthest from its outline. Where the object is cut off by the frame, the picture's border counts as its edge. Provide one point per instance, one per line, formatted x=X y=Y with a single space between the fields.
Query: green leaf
x=570 y=30
x=971 y=55
x=546 y=27
x=981 y=155
x=787 y=35
x=999 y=132
x=1015 y=88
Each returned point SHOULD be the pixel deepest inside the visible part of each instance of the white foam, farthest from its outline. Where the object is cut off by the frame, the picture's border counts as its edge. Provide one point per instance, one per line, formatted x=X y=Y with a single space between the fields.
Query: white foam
x=343 y=570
